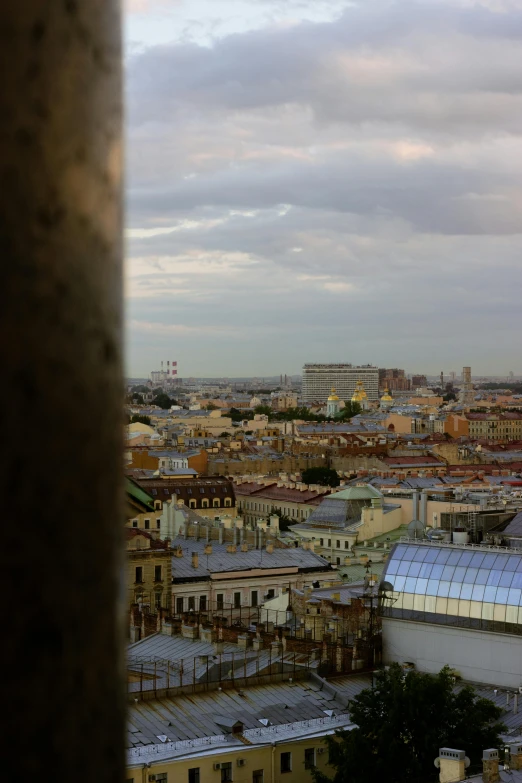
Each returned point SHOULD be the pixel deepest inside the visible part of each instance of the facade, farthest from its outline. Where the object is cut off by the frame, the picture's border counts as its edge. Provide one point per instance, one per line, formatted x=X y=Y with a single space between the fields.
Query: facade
x=418 y=380
x=148 y=571
x=495 y=426
x=211 y=577
x=393 y=379
x=457 y=605
x=318 y=380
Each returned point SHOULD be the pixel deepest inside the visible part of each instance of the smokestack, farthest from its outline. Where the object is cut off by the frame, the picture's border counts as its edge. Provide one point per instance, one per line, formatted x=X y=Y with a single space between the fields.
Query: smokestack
x=241 y=535
x=185 y=526
x=195 y=560
x=490 y=761
x=415 y=505
x=424 y=508
x=207 y=532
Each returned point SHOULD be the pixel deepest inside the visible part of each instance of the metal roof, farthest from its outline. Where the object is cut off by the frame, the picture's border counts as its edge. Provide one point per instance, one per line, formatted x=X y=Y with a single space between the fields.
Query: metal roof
x=220 y=560
x=185 y=717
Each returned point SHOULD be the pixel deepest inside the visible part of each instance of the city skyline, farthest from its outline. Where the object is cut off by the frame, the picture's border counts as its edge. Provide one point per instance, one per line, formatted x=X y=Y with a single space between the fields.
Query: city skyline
x=304 y=175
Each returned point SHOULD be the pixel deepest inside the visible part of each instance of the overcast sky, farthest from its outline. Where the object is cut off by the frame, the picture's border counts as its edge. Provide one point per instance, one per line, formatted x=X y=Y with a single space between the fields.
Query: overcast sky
x=322 y=180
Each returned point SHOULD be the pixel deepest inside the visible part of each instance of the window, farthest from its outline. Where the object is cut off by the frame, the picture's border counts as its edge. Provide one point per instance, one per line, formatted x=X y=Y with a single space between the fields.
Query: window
x=338 y=560
x=329 y=542
x=270 y=594
x=321 y=541
x=202 y=490
x=338 y=544
x=286 y=762
x=219 y=600
x=147 y=524
x=179 y=605
x=191 y=603
x=139 y=574
x=161 y=778
x=226 y=772
x=157 y=600
x=202 y=603
x=157 y=574
x=346 y=544
x=193 y=775
x=204 y=503
x=228 y=502
x=215 y=502
x=309 y=758
x=192 y=503
x=253 y=598
x=258 y=776
x=237 y=600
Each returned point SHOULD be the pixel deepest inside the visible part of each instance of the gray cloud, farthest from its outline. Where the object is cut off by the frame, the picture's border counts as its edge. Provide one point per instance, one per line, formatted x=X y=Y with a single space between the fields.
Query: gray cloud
x=327 y=190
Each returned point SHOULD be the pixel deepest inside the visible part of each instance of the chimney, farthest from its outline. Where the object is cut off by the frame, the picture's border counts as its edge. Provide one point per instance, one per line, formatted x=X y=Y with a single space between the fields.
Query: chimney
x=244 y=546
x=231 y=549
x=269 y=548
x=452 y=765
x=195 y=560
x=415 y=505
x=220 y=534
x=208 y=549
x=490 y=761
x=515 y=755
x=178 y=552
x=304 y=544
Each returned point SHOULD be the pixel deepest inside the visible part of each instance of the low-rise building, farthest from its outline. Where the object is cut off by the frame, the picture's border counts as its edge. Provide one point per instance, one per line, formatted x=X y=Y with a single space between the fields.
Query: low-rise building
x=257 y=500
x=207 y=495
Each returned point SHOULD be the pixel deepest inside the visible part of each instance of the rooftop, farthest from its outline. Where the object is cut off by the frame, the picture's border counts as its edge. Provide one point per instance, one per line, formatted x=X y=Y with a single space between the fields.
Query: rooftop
x=222 y=561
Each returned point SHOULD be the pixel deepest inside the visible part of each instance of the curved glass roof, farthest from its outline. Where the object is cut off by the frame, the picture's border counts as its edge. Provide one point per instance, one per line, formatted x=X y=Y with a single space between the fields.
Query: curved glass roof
x=472 y=587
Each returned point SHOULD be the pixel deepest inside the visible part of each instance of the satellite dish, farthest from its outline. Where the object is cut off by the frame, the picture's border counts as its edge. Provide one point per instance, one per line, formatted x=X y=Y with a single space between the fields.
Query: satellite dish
x=437 y=762
x=386 y=587
x=416 y=529
x=467 y=762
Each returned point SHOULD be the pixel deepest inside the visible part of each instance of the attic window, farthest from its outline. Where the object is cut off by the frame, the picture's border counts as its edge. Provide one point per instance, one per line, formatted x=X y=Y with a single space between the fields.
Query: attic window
x=202 y=490
x=154 y=491
x=166 y=491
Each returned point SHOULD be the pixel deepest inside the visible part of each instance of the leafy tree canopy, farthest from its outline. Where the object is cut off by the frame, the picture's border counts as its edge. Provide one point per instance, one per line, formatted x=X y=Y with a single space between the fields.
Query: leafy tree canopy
x=403 y=721
x=350 y=410
x=163 y=400
x=140 y=419
x=326 y=477
x=237 y=415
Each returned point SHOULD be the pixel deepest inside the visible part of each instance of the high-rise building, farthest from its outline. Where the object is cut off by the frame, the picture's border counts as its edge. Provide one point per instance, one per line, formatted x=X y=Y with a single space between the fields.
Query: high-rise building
x=318 y=380
x=467 y=393
x=393 y=379
x=418 y=381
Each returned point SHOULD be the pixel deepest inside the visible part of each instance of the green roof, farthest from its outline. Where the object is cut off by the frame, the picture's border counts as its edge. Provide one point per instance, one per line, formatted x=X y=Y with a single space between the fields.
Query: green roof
x=139 y=494
x=357 y=492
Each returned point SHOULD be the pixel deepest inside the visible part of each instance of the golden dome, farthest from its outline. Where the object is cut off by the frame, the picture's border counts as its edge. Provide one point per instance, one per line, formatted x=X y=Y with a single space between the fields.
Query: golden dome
x=333 y=396
x=359 y=394
x=386 y=397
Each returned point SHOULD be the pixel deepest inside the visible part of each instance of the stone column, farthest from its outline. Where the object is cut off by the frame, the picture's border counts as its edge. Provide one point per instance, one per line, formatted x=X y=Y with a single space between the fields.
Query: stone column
x=61 y=388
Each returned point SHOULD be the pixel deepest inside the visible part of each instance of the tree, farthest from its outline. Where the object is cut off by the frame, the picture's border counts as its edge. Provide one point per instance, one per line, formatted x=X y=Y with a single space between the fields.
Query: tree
x=163 y=400
x=140 y=419
x=211 y=407
x=350 y=410
x=326 y=477
x=137 y=399
x=403 y=721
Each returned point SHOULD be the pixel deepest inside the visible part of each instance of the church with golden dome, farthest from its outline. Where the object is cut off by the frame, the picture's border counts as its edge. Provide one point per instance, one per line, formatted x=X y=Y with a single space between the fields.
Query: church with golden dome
x=386 y=399
x=333 y=405
x=359 y=396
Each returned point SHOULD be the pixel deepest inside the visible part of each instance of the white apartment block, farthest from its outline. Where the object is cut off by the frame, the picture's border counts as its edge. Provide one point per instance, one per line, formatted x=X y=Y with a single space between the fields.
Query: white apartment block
x=319 y=379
